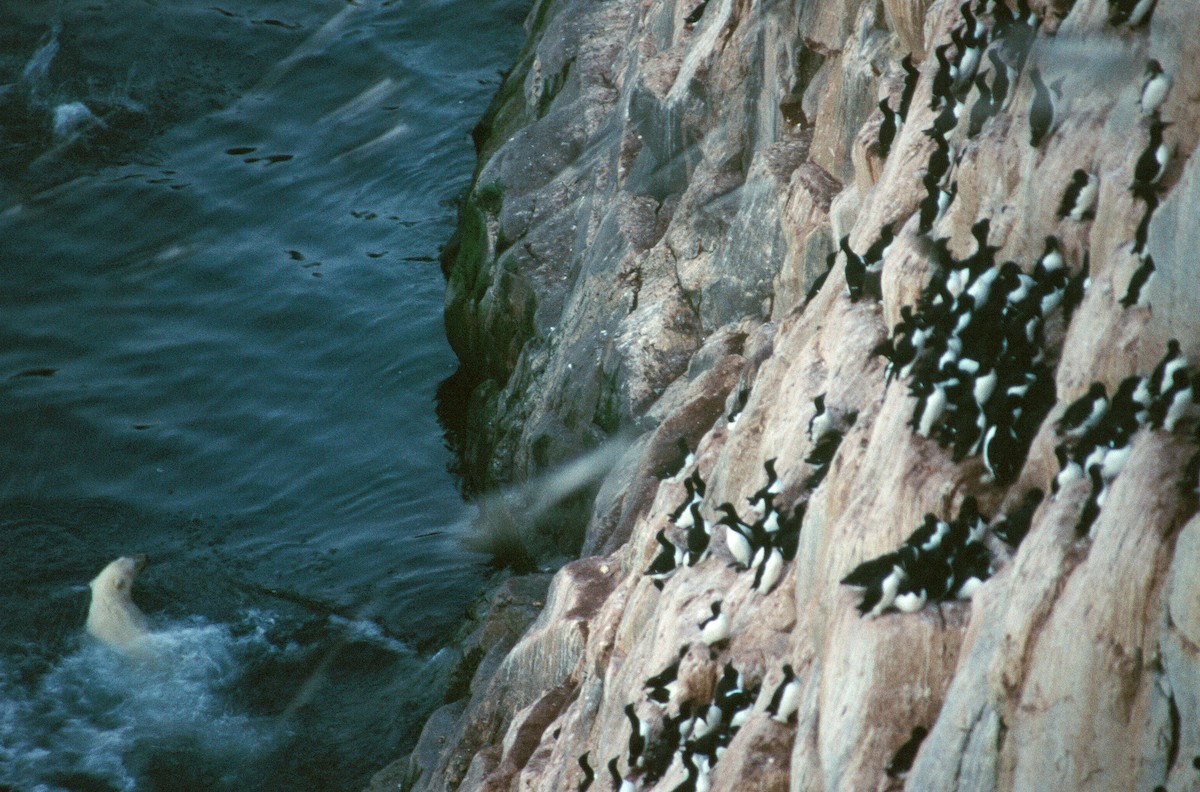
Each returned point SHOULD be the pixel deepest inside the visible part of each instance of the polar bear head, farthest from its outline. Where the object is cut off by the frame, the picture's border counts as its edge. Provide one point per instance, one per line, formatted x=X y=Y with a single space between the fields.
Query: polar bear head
x=112 y=616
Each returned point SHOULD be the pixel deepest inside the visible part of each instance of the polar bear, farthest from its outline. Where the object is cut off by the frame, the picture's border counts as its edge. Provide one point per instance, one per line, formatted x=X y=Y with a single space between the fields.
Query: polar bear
x=112 y=616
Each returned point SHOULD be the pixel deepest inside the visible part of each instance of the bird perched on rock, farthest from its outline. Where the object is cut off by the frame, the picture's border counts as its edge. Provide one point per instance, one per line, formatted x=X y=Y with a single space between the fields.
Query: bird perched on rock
x=1164 y=372
x=1137 y=293
x=1153 y=162
x=1083 y=414
x=715 y=628
x=1041 y=110
x=1013 y=526
x=669 y=557
x=911 y=76
x=902 y=760
x=887 y=128
x=1079 y=199
x=1154 y=88
x=786 y=700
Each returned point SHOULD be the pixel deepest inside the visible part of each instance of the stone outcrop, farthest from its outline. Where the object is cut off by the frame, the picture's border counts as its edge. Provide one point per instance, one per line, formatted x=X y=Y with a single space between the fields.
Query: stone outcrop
x=655 y=200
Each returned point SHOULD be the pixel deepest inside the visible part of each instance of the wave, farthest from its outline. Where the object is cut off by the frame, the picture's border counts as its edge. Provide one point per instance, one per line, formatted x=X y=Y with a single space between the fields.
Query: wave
x=98 y=719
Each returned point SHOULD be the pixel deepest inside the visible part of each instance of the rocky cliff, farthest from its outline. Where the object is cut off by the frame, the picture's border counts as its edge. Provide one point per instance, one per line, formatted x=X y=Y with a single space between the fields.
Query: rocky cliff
x=717 y=220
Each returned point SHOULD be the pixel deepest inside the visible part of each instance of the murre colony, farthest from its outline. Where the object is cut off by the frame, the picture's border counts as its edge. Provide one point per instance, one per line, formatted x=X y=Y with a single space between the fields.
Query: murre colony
x=976 y=353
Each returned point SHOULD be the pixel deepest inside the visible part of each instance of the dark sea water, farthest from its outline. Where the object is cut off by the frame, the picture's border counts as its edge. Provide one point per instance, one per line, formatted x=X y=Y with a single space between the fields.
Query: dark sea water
x=220 y=340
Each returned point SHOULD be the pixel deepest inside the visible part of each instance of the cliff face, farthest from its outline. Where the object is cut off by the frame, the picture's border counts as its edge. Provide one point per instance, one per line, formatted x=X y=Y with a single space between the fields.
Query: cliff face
x=662 y=186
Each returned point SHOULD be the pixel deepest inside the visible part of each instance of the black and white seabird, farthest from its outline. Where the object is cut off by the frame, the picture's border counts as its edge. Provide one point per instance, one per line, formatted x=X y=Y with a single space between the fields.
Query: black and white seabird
x=1069 y=470
x=873 y=258
x=902 y=760
x=1079 y=199
x=694 y=485
x=1173 y=402
x=1091 y=507
x=939 y=161
x=1041 y=110
x=769 y=571
x=588 y=774
x=1137 y=293
x=1001 y=453
x=856 y=270
x=1013 y=526
x=683 y=459
x=786 y=700
x=1003 y=77
x=943 y=78
x=737 y=538
x=881 y=592
x=823 y=451
x=638 y=732
x=715 y=628
x=663 y=684
x=945 y=121
x=665 y=562
x=1083 y=414
x=1129 y=407
x=1141 y=234
x=1164 y=372
x=911 y=597
x=985 y=107
x=1077 y=287
x=762 y=501
x=1155 y=87
x=935 y=202
x=887 y=128
x=911 y=76
x=696 y=13
x=698 y=535
x=1153 y=162
x=966 y=62
x=1051 y=260
x=821 y=423
x=615 y=773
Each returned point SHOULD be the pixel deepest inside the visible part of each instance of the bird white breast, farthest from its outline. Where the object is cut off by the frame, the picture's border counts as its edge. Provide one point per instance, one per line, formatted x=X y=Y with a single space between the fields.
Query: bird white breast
x=739 y=546
x=934 y=406
x=715 y=630
x=789 y=701
x=968 y=589
x=890 y=585
x=1069 y=475
x=1114 y=463
x=1155 y=92
x=1051 y=301
x=772 y=572
x=1095 y=458
x=1087 y=197
x=821 y=425
x=911 y=602
x=1052 y=261
x=1179 y=405
x=984 y=387
x=1162 y=155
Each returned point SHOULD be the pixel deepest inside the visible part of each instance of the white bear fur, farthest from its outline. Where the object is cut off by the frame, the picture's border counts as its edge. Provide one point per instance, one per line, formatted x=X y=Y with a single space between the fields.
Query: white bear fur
x=113 y=618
